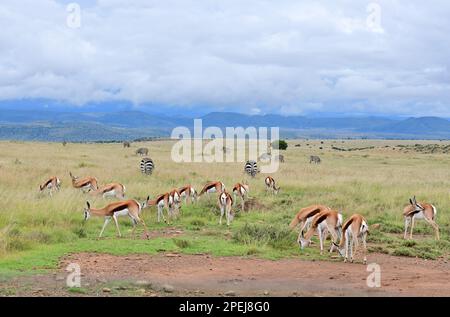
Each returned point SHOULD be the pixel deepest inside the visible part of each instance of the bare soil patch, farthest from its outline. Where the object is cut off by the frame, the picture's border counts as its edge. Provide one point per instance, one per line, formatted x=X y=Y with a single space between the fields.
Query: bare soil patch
x=204 y=275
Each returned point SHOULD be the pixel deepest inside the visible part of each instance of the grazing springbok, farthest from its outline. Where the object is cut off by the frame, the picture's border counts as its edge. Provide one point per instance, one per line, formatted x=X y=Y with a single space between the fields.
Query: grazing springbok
x=51 y=184
x=212 y=187
x=225 y=205
x=305 y=216
x=327 y=221
x=110 y=190
x=189 y=193
x=114 y=210
x=353 y=229
x=168 y=201
x=85 y=184
x=419 y=211
x=271 y=186
x=241 y=190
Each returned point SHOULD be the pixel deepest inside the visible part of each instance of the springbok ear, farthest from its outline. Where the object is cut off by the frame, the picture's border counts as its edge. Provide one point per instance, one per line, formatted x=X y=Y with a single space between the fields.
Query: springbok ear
x=411 y=202
x=414 y=199
x=88 y=205
x=148 y=197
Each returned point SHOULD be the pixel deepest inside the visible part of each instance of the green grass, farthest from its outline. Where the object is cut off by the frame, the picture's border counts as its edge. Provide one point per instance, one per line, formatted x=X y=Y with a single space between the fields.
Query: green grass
x=36 y=231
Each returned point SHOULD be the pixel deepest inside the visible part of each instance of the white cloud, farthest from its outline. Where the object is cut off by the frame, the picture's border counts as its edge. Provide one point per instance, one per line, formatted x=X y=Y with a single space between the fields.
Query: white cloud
x=284 y=56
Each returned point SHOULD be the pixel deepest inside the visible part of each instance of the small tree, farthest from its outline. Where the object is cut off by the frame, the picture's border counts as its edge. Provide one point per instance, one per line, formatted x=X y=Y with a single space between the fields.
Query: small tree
x=279 y=145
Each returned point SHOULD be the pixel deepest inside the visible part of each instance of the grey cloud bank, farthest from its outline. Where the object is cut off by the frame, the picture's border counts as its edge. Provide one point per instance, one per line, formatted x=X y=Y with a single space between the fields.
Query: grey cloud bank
x=288 y=57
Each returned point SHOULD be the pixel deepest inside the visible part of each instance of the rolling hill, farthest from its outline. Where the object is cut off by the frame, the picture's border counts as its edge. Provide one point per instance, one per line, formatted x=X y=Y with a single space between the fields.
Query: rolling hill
x=41 y=125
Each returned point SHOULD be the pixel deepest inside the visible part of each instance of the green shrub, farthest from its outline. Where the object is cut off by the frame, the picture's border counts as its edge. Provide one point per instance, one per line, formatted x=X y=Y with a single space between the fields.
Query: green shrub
x=279 y=145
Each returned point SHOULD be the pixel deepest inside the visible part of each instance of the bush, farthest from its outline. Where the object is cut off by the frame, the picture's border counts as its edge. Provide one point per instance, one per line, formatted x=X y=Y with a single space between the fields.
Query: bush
x=279 y=237
x=279 y=145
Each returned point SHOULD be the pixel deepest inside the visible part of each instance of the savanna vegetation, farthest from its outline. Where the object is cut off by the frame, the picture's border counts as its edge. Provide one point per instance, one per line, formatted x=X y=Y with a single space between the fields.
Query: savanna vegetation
x=376 y=181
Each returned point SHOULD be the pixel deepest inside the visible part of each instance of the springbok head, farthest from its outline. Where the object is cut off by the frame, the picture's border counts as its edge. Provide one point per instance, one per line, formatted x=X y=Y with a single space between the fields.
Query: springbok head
x=145 y=203
x=336 y=246
x=303 y=242
x=74 y=178
x=416 y=205
x=276 y=189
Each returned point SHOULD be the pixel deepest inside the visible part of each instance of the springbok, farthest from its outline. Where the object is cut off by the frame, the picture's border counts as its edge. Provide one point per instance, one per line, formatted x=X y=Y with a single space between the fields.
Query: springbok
x=241 y=190
x=419 y=211
x=225 y=205
x=114 y=210
x=51 y=184
x=304 y=218
x=110 y=190
x=85 y=184
x=327 y=221
x=162 y=201
x=270 y=185
x=189 y=193
x=212 y=187
x=353 y=229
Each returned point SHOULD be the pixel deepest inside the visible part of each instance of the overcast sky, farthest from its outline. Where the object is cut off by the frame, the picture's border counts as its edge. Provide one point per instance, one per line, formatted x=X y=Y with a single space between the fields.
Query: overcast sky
x=256 y=56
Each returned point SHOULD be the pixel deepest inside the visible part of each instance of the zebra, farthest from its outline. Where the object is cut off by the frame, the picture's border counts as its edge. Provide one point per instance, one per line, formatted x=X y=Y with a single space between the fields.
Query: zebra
x=265 y=157
x=142 y=151
x=251 y=168
x=314 y=159
x=279 y=158
x=147 y=166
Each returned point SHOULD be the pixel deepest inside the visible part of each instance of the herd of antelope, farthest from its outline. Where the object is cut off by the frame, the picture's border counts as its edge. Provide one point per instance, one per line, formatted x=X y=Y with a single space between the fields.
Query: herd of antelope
x=317 y=219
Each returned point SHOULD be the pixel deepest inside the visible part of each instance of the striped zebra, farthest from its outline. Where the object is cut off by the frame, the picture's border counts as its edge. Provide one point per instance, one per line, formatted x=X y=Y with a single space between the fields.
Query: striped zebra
x=147 y=166
x=251 y=168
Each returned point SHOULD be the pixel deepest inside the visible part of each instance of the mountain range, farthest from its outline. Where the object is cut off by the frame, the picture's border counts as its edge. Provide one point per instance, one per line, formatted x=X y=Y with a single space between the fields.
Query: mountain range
x=42 y=125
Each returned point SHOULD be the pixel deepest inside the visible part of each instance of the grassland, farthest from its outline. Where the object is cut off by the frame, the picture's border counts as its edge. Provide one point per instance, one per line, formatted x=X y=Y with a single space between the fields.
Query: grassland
x=36 y=230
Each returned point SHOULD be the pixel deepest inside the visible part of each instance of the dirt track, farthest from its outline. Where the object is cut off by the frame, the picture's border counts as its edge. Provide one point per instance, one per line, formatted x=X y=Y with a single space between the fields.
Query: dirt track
x=203 y=275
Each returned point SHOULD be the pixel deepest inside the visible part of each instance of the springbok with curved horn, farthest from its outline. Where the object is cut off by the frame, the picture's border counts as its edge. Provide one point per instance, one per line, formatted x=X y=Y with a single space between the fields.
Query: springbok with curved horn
x=51 y=184
x=305 y=216
x=354 y=228
x=111 y=190
x=241 y=190
x=417 y=211
x=225 y=205
x=86 y=184
x=270 y=185
x=327 y=221
x=130 y=208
